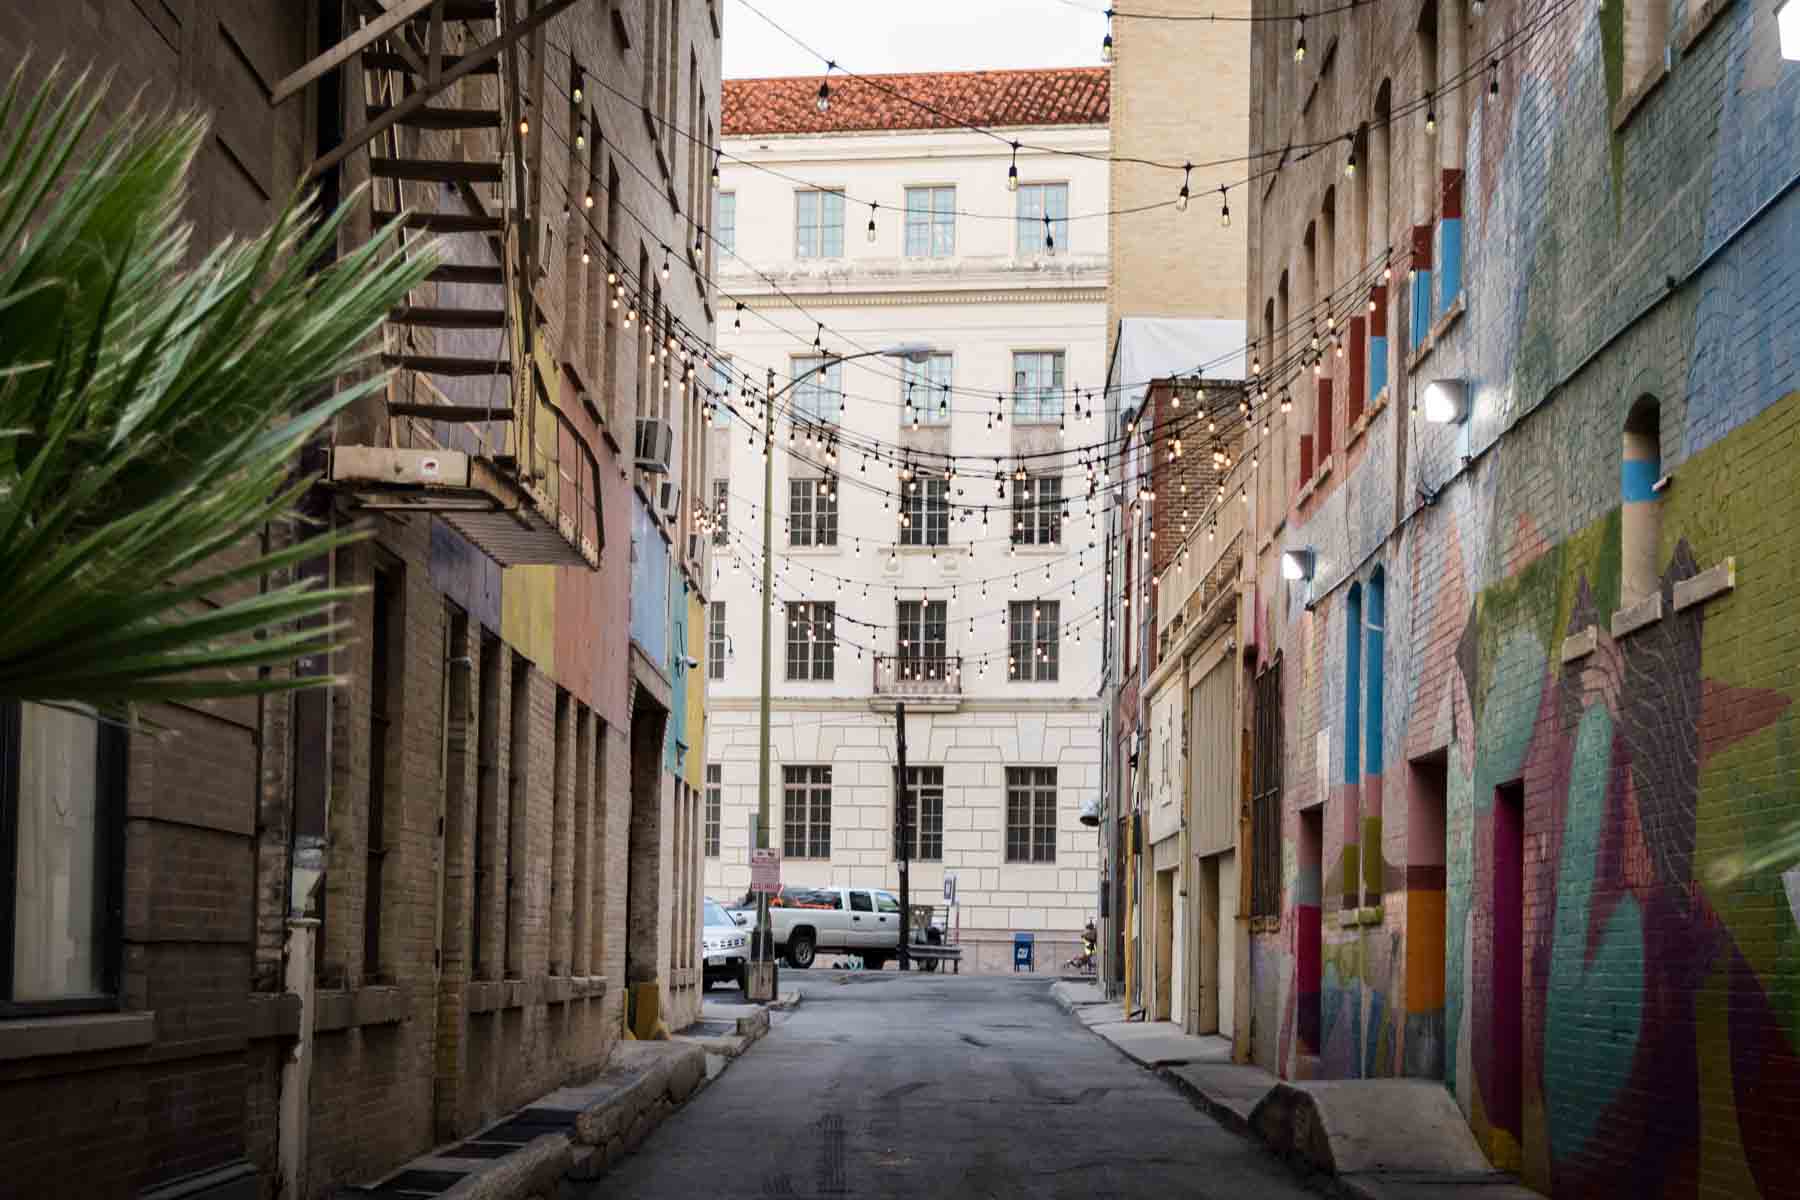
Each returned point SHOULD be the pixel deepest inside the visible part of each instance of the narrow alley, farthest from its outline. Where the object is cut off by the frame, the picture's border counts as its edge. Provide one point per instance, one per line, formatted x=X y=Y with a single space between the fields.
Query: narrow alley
x=882 y=1084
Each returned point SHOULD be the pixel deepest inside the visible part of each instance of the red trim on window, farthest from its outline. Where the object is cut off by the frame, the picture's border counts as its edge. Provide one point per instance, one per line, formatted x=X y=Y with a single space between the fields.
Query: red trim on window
x=1421 y=247
x=1358 y=356
x=1453 y=194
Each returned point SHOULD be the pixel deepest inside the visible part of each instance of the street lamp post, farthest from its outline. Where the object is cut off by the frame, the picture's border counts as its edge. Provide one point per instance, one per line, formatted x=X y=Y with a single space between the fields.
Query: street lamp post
x=762 y=957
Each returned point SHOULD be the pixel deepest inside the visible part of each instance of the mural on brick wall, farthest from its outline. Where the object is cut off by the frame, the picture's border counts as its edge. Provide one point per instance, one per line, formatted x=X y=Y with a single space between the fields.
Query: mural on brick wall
x=1541 y=896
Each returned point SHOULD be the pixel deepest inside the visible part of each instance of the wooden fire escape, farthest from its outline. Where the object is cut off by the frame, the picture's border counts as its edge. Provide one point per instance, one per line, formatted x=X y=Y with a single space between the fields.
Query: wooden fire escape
x=470 y=432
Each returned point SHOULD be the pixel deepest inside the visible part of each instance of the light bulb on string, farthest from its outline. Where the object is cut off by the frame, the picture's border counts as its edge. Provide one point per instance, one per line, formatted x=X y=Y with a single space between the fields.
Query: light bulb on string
x=1107 y=53
x=1224 y=209
x=1430 y=114
x=1493 y=90
x=1012 y=171
x=581 y=132
x=1300 y=45
x=665 y=264
x=871 y=222
x=1181 y=200
x=823 y=103
x=1350 y=162
x=715 y=169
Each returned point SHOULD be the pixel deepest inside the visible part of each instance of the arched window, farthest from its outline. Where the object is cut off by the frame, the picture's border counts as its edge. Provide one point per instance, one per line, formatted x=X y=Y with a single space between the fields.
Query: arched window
x=1640 y=523
x=1425 y=180
x=1326 y=283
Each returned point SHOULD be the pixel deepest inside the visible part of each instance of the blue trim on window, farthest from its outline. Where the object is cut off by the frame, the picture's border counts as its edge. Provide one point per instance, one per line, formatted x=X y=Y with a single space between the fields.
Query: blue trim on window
x=1378 y=355
x=1637 y=479
x=1353 y=621
x=1376 y=624
x=1449 y=262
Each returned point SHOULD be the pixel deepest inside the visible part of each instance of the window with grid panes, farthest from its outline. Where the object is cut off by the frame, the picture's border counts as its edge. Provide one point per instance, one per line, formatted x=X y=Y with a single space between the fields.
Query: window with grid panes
x=812 y=513
x=930 y=222
x=1037 y=201
x=922 y=636
x=725 y=221
x=1037 y=511
x=923 y=803
x=715 y=640
x=806 y=812
x=811 y=640
x=819 y=389
x=818 y=224
x=1033 y=640
x=721 y=512
x=1030 y=814
x=925 y=391
x=721 y=384
x=1037 y=385
x=715 y=787
x=927 y=510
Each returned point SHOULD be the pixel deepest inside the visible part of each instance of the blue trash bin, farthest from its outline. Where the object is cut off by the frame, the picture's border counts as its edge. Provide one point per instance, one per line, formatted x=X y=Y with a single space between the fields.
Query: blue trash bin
x=1022 y=952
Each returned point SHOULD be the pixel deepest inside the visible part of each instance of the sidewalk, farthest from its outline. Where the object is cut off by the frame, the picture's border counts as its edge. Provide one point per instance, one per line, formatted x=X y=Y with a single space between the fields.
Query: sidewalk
x=1376 y=1139
x=576 y=1133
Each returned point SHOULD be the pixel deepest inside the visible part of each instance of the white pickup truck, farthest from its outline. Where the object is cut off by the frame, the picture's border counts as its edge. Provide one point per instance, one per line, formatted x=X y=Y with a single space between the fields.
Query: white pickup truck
x=861 y=921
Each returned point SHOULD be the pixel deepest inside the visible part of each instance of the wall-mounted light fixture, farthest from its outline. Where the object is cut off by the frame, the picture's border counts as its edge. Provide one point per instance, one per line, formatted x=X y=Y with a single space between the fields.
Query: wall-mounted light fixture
x=1787 y=28
x=1446 y=400
x=1297 y=564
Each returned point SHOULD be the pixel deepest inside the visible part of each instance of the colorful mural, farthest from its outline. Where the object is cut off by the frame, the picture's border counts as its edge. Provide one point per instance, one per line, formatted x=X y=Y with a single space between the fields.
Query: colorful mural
x=1516 y=863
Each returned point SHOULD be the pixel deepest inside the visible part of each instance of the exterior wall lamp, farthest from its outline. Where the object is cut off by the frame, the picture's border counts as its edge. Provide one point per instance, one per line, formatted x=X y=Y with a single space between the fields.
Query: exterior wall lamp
x=1297 y=565
x=1787 y=27
x=1447 y=400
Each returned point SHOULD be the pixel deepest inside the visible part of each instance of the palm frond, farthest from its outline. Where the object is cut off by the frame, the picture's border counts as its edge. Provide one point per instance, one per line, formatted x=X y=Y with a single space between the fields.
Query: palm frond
x=152 y=413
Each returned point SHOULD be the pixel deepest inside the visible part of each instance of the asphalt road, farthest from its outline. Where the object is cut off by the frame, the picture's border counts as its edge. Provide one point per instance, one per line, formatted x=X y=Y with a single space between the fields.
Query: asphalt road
x=881 y=1084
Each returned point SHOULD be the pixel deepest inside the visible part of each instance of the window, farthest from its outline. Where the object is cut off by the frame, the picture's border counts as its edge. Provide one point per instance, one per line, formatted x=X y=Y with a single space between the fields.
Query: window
x=860 y=902
x=886 y=902
x=725 y=221
x=819 y=390
x=812 y=641
x=819 y=224
x=1037 y=201
x=930 y=222
x=714 y=789
x=1031 y=814
x=921 y=629
x=1640 y=516
x=1037 y=511
x=1033 y=640
x=1265 y=796
x=721 y=513
x=925 y=513
x=925 y=391
x=721 y=384
x=922 y=807
x=384 y=756
x=812 y=512
x=1037 y=385
x=62 y=817
x=806 y=812
x=715 y=640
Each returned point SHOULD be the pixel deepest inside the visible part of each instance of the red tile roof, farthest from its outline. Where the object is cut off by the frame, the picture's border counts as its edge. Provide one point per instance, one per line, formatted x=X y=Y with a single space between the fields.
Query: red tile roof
x=1053 y=96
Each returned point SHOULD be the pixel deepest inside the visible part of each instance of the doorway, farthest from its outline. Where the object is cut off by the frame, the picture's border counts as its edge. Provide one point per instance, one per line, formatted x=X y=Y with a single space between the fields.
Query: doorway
x=1427 y=943
x=1165 y=942
x=1507 y=1010
x=1309 y=941
x=1225 y=939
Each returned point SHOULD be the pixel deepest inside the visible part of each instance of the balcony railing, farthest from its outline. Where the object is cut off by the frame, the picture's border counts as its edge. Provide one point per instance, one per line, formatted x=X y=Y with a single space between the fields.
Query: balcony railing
x=918 y=675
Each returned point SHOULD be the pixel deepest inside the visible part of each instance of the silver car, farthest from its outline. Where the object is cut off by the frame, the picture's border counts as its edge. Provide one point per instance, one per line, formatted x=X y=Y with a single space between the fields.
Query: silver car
x=724 y=944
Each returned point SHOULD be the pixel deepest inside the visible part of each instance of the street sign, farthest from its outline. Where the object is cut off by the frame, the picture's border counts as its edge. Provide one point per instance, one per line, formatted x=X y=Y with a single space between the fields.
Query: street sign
x=765 y=871
x=949 y=888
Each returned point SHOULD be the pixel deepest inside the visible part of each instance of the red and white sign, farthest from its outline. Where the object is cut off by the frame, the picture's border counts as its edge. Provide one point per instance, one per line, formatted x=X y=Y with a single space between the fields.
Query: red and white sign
x=765 y=871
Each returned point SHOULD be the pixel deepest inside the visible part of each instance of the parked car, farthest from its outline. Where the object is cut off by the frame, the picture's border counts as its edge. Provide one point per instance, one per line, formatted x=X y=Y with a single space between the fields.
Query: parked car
x=806 y=920
x=724 y=946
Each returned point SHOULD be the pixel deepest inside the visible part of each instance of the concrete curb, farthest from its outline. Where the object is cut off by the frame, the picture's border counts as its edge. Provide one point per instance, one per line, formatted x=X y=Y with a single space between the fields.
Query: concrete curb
x=1229 y=1117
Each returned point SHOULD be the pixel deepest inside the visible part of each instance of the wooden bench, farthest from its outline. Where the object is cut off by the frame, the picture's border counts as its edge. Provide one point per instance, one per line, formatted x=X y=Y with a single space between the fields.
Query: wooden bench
x=928 y=957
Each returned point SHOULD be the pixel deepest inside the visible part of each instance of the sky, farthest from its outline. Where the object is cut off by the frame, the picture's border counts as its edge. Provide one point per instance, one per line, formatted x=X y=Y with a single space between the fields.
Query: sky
x=866 y=37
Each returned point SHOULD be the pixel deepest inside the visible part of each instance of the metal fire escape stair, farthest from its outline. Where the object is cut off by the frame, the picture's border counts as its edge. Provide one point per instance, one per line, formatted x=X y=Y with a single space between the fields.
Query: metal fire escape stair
x=472 y=435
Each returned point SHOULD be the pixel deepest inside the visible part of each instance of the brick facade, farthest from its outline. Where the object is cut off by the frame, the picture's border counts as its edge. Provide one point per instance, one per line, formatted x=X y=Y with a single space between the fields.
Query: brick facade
x=1533 y=877
x=506 y=843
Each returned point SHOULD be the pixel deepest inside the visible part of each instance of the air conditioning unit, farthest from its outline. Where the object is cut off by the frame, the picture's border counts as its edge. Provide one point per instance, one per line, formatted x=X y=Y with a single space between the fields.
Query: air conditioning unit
x=655 y=439
x=696 y=546
x=668 y=499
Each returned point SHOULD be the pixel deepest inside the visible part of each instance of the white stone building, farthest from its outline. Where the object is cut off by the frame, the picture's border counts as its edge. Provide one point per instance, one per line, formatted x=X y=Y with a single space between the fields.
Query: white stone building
x=1013 y=308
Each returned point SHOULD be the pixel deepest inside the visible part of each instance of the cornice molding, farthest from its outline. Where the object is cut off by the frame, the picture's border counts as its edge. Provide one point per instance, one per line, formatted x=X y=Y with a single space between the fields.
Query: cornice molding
x=1073 y=294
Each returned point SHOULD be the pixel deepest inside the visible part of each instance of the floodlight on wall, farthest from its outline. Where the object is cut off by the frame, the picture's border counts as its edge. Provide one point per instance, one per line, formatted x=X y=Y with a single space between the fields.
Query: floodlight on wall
x=1446 y=402
x=1297 y=564
x=1787 y=28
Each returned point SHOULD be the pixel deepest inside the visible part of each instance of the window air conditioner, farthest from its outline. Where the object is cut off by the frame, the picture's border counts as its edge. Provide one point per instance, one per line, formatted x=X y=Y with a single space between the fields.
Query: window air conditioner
x=655 y=439
x=668 y=499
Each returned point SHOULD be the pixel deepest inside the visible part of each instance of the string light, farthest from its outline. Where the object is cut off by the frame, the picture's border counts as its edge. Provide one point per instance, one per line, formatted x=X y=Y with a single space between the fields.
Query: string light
x=715 y=170
x=824 y=101
x=1224 y=209
x=1181 y=201
x=1300 y=46
x=1350 y=163
x=665 y=266
x=575 y=93
x=1430 y=114
x=1012 y=172
x=872 y=221
x=1493 y=77
x=1107 y=52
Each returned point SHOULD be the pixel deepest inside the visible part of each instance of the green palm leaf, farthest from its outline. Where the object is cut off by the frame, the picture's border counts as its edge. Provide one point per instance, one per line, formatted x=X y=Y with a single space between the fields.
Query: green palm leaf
x=151 y=413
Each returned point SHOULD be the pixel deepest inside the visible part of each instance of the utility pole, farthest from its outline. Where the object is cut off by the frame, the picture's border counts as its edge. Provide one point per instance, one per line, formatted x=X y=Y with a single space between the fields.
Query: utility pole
x=905 y=836
x=762 y=951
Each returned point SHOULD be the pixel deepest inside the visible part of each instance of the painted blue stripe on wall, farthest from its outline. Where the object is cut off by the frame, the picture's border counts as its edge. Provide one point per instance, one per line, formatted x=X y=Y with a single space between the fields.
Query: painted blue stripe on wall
x=1377 y=366
x=1421 y=308
x=1637 y=479
x=1377 y=626
x=1449 y=261
x=1353 y=620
